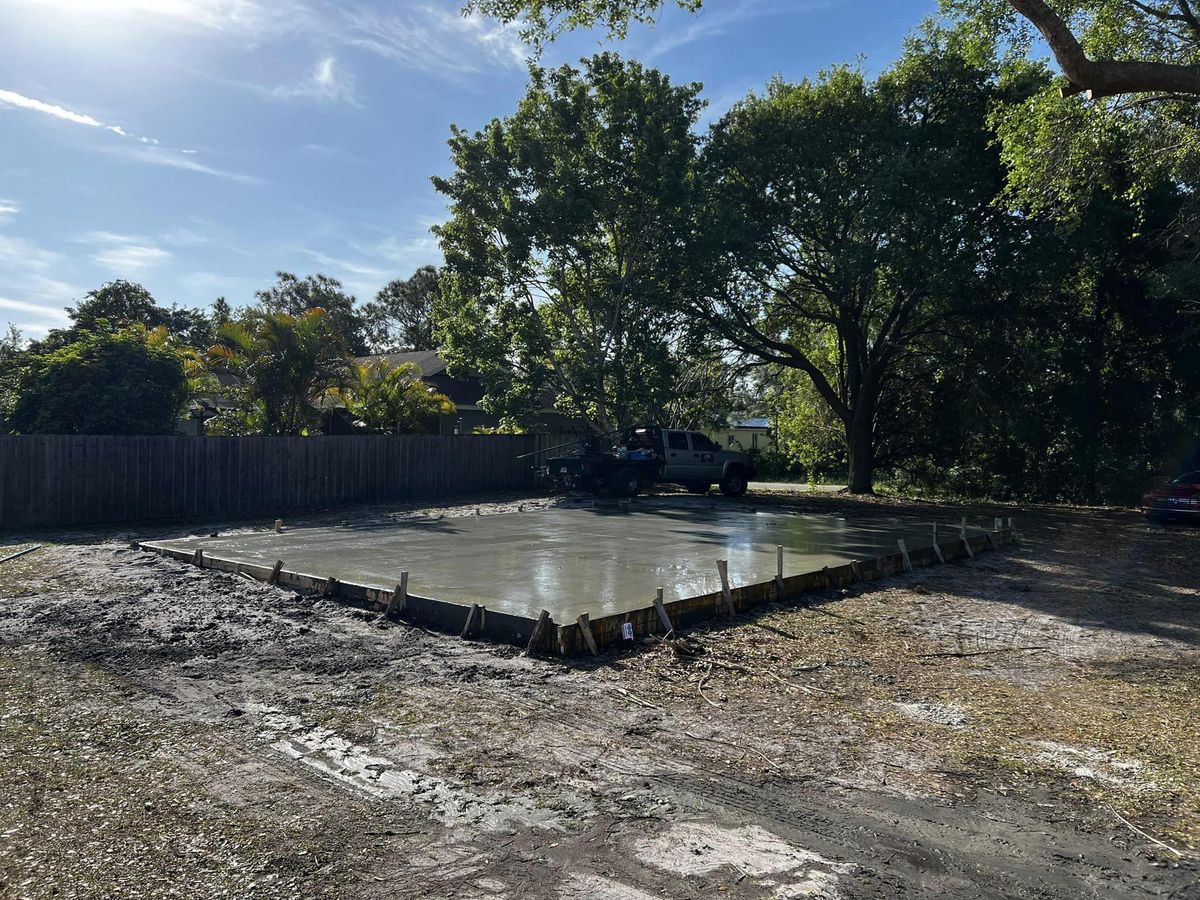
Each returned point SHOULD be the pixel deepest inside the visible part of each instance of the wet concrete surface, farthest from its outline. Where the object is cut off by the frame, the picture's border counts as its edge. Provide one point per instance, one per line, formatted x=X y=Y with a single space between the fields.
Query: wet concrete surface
x=569 y=561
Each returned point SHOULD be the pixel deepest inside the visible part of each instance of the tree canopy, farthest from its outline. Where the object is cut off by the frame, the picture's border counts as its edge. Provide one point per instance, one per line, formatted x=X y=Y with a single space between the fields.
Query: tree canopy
x=295 y=296
x=107 y=381
x=565 y=247
x=119 y=304
x=401 y=317
x=845 y=226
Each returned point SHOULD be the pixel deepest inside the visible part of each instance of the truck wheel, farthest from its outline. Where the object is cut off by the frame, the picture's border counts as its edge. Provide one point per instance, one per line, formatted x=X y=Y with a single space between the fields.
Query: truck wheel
x=734 y=484
x=697 y=487
x=624 y=482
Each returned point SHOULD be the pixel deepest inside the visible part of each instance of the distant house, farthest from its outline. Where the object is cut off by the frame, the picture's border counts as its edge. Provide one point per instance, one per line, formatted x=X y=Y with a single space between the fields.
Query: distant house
x=746 y=435
x=465 y=392
x=200 y=410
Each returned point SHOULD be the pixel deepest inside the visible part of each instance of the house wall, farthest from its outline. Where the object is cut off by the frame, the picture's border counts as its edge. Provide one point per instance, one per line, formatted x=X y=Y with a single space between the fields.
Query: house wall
x=745 y=439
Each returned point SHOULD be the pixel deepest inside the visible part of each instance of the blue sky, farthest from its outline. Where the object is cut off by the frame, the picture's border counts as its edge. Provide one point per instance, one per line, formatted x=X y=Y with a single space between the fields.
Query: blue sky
x=197 y=146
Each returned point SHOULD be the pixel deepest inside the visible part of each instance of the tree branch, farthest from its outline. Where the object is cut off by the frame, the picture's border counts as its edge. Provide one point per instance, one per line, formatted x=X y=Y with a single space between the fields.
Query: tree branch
x=1103 y=78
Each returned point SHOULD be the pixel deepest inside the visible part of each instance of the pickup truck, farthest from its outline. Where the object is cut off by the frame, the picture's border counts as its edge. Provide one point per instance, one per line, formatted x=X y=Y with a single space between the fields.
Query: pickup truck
x=648 y=454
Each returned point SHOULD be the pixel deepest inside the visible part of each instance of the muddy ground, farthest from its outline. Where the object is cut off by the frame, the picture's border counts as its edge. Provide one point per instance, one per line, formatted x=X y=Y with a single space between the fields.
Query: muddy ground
x=1020 y=726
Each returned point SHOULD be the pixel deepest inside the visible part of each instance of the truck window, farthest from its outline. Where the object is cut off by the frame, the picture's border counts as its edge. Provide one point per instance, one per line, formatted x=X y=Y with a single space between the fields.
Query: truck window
x=677 y=440
x=702 y=442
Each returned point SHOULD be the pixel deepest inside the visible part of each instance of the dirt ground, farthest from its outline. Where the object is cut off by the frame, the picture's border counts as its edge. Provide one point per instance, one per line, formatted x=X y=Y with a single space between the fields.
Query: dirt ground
x=1023 y=725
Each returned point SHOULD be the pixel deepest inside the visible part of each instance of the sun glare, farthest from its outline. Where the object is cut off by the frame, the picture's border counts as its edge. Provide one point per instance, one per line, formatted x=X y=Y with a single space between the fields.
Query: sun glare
x=208 y=13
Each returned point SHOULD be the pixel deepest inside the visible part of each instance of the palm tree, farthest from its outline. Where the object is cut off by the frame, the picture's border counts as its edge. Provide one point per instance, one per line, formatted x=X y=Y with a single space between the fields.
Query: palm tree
x=285 y=364
x=385 y=399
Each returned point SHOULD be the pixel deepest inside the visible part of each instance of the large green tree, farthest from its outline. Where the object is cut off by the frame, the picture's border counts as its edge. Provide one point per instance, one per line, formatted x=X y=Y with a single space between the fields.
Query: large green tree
x=846 y=225
x=285 y=367
x=107 y=381
x=401 y=317
x=564 y=254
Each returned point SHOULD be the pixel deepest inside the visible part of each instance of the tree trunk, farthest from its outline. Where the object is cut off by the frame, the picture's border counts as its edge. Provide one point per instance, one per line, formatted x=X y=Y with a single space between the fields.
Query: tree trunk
x=860 y=441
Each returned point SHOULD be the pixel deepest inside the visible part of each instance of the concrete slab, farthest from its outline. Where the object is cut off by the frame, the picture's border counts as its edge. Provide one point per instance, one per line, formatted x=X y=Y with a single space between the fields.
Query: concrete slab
x=569 y=561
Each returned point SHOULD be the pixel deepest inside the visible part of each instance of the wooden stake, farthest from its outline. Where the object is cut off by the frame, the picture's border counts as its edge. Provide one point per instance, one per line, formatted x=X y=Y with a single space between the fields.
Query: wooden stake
x=726 y=594
x=399 y=599
x=663 y=619
x=279 y=526
x=198 y=557
x=539 y=631
x=967 y=543
x=937 y=551
x=273 y=578
x=472 y=616
x=585 y=628
x=856 y=570
x=904 y=553
x=331 y=584
x=779 y=572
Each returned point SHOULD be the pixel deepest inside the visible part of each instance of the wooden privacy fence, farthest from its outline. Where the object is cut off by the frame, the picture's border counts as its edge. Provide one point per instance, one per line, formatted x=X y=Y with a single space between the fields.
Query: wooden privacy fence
x=74 y=480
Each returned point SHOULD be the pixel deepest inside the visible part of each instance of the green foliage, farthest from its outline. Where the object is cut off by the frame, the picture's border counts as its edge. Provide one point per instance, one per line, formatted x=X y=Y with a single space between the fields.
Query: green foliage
x=383 y=399
x=294 y=297
x=121 y=381
x=807 y=433
x=564 y=253
x=285 y=366
x=401 y=318
x=120 y=304
x=12 y=361
x=543 y=20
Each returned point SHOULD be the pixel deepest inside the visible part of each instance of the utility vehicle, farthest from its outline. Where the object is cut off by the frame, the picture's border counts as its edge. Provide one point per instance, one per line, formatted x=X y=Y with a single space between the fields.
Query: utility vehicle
x=622 y=463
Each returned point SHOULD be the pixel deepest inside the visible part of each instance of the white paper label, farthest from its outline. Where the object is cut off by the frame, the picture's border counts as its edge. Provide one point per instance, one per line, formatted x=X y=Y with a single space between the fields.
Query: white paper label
x=627 y=631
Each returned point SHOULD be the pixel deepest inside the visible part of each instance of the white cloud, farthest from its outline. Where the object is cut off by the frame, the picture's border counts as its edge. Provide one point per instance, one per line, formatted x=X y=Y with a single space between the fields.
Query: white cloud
x=435 y=40
x=344 y=265
x=8 y=209
x=429 y=36
x=159 y=156
x=149 y=151
x=16 y=253
x=11 y=98
x=330 y=151
x=31 y=287
x=183 y=236
x=123 y=254
x=709 y=23
x=328 y=83
x=36 y=308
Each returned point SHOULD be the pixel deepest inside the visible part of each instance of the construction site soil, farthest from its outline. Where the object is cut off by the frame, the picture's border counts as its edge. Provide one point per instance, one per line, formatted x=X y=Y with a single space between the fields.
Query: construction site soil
x=1022 y=725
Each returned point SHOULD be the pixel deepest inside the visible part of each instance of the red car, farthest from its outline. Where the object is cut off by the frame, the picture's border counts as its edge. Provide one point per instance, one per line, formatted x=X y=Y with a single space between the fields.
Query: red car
x=1179 y=499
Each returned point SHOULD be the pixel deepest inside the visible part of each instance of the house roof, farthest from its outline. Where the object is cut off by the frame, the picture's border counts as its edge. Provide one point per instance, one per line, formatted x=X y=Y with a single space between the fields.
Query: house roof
x=750 y=423
x=428 y=361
